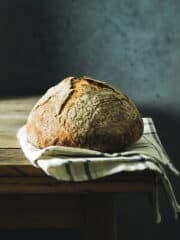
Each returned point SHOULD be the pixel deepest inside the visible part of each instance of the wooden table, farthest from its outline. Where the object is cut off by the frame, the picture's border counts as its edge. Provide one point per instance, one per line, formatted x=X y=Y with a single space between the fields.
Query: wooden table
x=30 y=199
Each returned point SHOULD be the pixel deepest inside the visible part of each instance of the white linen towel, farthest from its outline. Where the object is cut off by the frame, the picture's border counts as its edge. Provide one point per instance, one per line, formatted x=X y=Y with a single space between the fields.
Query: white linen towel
x=77 y=164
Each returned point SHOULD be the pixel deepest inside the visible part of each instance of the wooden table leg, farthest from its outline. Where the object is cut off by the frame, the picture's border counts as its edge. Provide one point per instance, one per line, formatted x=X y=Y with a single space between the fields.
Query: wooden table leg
x=100 y=216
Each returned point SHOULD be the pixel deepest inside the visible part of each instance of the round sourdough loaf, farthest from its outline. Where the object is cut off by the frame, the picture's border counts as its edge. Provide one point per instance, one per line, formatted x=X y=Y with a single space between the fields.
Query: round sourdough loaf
x=86 y=113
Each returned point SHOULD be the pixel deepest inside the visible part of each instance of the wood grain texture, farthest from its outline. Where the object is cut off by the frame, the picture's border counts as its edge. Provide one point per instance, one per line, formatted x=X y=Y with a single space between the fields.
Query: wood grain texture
x=13 y=114
x=48 y=185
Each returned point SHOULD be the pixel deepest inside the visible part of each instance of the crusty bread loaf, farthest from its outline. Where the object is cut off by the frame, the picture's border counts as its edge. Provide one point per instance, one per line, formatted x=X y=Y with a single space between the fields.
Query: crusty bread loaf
x=83 y=112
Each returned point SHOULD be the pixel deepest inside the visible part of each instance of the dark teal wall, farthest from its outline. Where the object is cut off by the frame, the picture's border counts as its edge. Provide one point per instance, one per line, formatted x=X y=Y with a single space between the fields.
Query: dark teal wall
x=134 y=44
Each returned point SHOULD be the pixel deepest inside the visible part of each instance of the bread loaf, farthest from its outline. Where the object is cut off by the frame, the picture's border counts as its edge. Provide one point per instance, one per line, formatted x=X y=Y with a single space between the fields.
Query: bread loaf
x=86 y=113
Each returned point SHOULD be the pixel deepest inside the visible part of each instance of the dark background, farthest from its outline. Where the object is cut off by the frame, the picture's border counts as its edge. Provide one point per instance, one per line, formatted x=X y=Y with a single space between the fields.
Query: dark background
x=134 y=45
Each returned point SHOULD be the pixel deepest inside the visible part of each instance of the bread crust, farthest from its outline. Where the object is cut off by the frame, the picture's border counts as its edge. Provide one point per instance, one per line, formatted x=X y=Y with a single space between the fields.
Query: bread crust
x=86 y=113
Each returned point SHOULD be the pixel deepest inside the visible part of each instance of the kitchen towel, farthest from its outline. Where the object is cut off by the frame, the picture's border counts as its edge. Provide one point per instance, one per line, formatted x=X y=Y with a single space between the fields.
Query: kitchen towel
x=77 y=164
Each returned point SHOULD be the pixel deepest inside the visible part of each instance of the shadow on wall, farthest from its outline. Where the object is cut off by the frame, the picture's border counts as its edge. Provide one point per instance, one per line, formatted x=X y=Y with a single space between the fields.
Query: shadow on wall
x=28 y=46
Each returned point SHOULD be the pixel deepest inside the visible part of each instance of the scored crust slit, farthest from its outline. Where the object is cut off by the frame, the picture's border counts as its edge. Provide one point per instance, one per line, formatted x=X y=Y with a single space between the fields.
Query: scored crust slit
x=86 y=113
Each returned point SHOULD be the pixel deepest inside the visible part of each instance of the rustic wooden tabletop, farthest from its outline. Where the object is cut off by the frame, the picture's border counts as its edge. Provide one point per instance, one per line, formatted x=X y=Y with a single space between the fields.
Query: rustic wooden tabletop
x=25 y=190
x=13 y=115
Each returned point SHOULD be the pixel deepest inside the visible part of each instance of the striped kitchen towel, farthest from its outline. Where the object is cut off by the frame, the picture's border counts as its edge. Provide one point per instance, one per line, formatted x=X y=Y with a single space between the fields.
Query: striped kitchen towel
x=77 y=164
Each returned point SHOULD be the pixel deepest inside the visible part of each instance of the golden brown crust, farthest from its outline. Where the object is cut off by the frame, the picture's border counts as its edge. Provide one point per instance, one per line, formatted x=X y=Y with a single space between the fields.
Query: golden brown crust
x=83 y=112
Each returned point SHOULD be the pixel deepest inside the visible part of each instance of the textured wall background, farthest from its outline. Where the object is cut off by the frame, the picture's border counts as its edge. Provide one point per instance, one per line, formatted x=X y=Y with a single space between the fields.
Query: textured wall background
x=135 y=45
